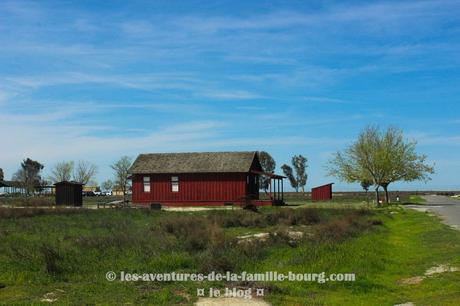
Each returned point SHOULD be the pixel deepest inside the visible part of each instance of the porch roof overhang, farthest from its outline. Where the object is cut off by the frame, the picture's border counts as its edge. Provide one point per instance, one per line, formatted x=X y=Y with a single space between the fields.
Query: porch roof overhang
x=271 y=175
x=13 y=184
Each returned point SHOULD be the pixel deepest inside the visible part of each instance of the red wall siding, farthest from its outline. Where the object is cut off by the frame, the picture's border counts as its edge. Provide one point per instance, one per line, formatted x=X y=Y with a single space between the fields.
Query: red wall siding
x=322 y=193
x=214 y=188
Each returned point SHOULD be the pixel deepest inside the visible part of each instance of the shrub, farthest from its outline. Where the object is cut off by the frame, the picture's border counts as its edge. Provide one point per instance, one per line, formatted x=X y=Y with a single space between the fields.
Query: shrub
x=193 y=233
x=285 y=216
x=22 y=201
x=341 y=228
x=51 y=257
x=308 y=216
x=6 y=213
x=220 y=256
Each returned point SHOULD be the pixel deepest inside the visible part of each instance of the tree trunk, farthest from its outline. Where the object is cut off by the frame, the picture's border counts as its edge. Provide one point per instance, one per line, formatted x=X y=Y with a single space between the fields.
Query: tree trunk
x=377 y=196
x=387 y=197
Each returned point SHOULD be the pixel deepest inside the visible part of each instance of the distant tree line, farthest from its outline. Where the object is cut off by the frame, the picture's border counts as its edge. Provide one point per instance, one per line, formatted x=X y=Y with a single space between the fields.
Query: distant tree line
x=30 y=174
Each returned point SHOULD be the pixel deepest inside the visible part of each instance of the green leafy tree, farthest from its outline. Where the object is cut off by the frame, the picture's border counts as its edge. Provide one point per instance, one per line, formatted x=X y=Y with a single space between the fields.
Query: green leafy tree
x=268 y=165
x=400 y=161
x=381 y=157
x=29 y=175
x=2 y=177
x=287 y=170
x=358 y=161
x=299 y=163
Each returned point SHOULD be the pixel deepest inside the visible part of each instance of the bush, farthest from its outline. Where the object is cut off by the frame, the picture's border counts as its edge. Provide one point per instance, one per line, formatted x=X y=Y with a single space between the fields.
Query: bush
x=51 y=257
x=22 y=201
x=283 y=216
x=193 y=233
x=340 y=228
x=6 y=213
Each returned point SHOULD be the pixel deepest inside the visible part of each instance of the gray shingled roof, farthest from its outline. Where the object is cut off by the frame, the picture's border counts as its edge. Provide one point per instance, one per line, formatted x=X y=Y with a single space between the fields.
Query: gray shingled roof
x=193 y=162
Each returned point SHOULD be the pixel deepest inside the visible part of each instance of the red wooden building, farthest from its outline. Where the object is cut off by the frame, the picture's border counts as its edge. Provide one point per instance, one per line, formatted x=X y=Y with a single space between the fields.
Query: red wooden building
x=322 y=193
x=200 y=179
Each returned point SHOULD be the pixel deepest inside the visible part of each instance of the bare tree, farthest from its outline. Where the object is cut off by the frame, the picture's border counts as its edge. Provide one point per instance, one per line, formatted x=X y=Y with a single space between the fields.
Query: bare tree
x=107 y=185
x=62 y=171
x=84 y=172
x=121 y=168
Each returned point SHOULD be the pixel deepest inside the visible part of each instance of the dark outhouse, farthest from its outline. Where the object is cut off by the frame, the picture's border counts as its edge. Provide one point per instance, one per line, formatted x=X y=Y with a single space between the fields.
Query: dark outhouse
x=69 y=193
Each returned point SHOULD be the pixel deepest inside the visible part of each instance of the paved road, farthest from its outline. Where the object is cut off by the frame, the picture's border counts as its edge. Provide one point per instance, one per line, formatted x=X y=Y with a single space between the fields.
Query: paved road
x=447 y=208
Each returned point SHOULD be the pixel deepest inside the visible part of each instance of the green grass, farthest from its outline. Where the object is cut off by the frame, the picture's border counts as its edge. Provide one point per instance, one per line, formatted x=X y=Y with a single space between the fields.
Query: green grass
x=69 y=253
x=416 y=199
x=408 y=244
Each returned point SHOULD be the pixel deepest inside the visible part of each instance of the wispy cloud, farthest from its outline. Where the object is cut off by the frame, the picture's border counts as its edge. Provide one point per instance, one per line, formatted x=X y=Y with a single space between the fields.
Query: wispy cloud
x=325 y=100
x=137 y=81
x=232 y=95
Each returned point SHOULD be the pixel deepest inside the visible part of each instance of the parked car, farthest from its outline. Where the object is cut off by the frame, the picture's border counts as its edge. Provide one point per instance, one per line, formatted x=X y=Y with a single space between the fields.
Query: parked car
x=89 y=194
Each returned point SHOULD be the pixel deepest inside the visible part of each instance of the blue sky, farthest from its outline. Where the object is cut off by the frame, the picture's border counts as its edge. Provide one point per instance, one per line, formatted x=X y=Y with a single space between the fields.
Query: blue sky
x=95 y=80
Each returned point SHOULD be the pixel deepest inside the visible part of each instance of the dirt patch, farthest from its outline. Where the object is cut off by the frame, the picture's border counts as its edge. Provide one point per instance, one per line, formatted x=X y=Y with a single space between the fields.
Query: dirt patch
x=230 y=302
x=412 y=281
x=440 y=269
x=428 y=273
x=293 y=235
x=52 y=297
x=253 y=237
x=406 y=304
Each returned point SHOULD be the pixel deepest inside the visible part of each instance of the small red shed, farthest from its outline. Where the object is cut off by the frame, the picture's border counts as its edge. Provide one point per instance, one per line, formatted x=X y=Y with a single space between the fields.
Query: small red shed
x=322 y=193
x=200 y=179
